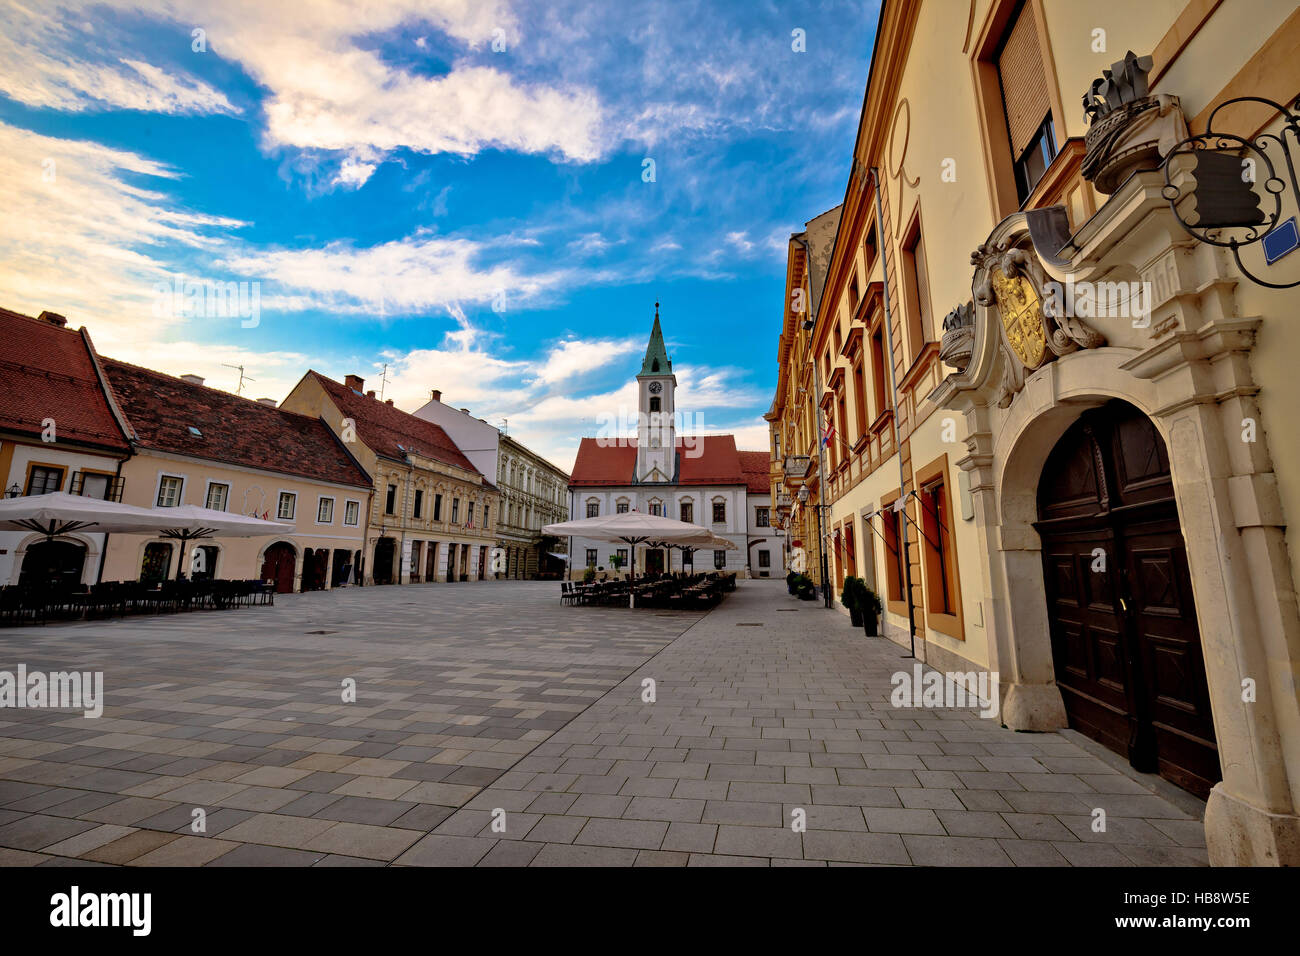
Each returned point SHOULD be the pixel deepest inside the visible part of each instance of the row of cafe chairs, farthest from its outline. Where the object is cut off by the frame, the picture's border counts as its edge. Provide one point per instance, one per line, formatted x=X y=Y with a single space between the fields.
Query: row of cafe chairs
x=679 y=591
x=31 y=603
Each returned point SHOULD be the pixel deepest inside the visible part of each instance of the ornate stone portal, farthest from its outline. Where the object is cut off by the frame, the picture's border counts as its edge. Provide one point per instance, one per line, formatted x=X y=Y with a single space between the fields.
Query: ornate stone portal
x=1023 y=376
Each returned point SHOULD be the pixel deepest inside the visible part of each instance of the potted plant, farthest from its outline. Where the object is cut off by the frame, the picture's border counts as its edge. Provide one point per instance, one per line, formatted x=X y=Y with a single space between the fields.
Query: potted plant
x=589 y=575
x=871 y=608
x=617 y=561
x=807 y=590
x=851 y=598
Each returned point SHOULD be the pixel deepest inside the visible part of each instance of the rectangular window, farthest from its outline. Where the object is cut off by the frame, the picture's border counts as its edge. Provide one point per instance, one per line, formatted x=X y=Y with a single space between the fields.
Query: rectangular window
x=764 y=559
x=325 y=511
x=437 y=507
x=762 y=518
x=486 y=523
x=469 y=514
x=591 y=557
x=688 y=512
x=44 y=481
x=622 y=557
x=878 y=371
x=859 y=398
x=593 y=509
x=937 y=548
x=288 y=502
x=1026 y=104
x=621 y=508
x=218 y=496
x=90 y=484
x=352 y=513
x=719 y=559
x=657 y=509
x=892 y=525
x=455 y=510
x=719 y=512
x=916 y=289
x=869 y=249
x=390 y=500
x=419 y=503
x=169 y=491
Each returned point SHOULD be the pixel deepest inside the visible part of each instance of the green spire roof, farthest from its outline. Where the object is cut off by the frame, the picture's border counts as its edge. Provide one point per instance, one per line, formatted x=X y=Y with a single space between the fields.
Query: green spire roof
x=656 y=356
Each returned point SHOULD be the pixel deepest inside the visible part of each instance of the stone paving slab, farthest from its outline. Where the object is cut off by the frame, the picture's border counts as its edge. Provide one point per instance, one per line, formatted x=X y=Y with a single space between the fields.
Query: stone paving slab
x=494 y=727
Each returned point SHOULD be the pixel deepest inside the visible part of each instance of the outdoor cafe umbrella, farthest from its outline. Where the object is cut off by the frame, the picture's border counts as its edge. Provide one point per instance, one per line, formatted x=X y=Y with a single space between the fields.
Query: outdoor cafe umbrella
x=62 y=513
x=715 y=543
x=189 y=522
x=633 y=528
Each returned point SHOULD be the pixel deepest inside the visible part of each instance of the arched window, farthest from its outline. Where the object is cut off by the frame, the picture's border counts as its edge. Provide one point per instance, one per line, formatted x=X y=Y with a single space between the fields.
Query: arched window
x=654 y=403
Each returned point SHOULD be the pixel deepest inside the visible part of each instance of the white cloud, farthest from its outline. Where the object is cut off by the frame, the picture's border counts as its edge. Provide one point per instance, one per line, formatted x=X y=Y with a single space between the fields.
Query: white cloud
x=39 y=68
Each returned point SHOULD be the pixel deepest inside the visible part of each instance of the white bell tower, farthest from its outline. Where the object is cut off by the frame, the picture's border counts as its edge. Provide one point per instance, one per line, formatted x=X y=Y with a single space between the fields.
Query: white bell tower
x=656 y=431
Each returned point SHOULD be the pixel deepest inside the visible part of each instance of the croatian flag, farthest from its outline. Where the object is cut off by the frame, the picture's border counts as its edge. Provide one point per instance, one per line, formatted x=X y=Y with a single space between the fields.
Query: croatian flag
x=827 y=434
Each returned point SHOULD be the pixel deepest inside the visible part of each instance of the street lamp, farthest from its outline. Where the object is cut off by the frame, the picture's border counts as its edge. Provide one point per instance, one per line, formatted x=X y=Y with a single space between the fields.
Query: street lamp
x=14 y=490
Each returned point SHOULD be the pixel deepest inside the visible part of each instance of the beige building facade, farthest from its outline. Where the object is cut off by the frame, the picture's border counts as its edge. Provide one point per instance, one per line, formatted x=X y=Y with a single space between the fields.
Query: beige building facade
x=1091 y=451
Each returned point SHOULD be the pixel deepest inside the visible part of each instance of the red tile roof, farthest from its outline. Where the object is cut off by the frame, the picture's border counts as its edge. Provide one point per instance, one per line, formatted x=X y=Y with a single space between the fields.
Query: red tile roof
x=757 y=465
x=391 y=432
x=47 y=371
x=701 y=460
x=233 y=430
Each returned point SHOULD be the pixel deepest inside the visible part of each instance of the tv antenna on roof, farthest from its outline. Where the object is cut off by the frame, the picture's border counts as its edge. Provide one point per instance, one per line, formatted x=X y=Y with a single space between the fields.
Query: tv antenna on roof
x=242 y=378
x=383 y=381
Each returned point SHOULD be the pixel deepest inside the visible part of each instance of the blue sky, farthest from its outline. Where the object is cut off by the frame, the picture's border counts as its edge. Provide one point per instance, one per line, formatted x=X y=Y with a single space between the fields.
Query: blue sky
x=454 y=187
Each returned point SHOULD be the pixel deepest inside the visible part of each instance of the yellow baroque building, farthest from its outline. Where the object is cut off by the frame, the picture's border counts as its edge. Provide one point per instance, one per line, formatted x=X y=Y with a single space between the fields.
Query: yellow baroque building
x=1038 y=400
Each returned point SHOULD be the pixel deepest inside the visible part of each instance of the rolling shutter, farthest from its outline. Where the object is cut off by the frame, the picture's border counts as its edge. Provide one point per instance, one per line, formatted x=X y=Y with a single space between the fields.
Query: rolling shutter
x=1024 y=81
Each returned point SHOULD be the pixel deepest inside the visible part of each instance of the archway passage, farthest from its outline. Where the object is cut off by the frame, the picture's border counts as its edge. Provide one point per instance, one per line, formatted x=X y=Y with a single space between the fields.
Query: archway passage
x=278 y=566
x=1125 y=643
x=53 y=563
x=385 y=551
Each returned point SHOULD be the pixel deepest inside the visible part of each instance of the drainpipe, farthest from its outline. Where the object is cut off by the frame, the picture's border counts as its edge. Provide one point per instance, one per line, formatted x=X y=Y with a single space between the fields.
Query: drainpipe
x=893 y=388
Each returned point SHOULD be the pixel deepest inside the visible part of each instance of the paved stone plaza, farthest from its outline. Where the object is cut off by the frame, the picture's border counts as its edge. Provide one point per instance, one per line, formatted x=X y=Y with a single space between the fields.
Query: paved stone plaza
x=483 y=697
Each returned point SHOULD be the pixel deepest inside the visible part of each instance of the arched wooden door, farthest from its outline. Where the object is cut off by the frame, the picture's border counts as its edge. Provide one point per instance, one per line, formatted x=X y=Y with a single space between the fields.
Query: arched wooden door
x=53 y=564
x=385 y=549
x=278 y=566
x=1125 y=643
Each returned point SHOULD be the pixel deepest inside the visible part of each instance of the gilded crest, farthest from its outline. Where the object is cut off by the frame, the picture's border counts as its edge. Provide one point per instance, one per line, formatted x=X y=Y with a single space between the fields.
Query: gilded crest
x=1021 y=310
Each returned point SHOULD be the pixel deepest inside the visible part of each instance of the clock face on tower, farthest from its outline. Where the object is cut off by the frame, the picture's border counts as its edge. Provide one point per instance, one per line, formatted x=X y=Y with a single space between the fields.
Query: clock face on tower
x=656 y=387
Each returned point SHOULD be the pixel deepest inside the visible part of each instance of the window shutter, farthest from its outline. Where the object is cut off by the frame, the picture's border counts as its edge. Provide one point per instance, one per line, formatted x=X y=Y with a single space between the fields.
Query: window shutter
x=1024 y=81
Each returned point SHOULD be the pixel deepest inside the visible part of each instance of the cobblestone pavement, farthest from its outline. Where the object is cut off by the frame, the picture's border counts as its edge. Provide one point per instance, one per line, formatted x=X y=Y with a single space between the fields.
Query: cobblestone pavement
x=488 y=706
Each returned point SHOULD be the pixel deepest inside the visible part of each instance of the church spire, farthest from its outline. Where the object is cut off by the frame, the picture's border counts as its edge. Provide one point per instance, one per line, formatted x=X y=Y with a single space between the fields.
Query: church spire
x=656 y=356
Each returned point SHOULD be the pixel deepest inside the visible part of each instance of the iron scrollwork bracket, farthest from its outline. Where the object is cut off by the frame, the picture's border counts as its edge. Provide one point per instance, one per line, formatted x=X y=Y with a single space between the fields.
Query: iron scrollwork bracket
x=1226 y=168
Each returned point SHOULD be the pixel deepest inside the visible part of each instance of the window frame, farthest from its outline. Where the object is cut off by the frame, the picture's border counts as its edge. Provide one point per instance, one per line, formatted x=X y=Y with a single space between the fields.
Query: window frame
x=33 y=466
x=207 y=495
x=279 y=505
x=355 y=506
x=320 y=503
x=180 y=492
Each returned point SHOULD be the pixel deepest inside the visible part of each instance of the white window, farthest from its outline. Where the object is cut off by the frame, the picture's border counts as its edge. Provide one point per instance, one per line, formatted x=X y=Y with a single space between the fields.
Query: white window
x=169 y=491
x=288 y=502
x=218 y=495
x=325 y=511
x=351 y=512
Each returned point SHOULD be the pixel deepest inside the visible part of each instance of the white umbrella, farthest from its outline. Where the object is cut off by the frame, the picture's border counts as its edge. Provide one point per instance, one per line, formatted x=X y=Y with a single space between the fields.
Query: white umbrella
x=60 y=513
x=631 y=527
x=187 y=522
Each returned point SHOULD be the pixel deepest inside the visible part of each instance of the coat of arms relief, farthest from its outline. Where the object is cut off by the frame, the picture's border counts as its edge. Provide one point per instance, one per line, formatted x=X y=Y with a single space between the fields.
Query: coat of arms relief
x=1008 y=282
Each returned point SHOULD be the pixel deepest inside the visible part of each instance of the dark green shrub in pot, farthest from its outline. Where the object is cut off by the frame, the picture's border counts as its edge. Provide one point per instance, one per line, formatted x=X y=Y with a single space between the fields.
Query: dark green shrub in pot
x=871 y=608
x=851 y=598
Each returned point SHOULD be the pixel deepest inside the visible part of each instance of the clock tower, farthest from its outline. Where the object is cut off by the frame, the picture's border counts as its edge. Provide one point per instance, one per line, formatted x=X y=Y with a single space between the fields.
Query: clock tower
x=656 y=431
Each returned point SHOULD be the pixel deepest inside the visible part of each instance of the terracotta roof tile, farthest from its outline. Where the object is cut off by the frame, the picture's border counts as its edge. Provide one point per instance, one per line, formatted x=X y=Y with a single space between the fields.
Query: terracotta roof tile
x=391 y=432
x=706 y=460
x=46 y=371
x=235 y=430
x=757 y=466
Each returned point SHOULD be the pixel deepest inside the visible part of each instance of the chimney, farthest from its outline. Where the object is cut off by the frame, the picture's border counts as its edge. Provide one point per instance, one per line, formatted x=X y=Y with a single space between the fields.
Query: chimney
x=268 y=402
x=53 y=318
x=388 y=402
x=370 y=394
x=192 y=379
x=354 y=382
x=435 y=395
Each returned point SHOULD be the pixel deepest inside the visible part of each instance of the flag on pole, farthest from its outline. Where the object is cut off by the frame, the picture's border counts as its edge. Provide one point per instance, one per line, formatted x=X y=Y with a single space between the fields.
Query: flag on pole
x=828 y=432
